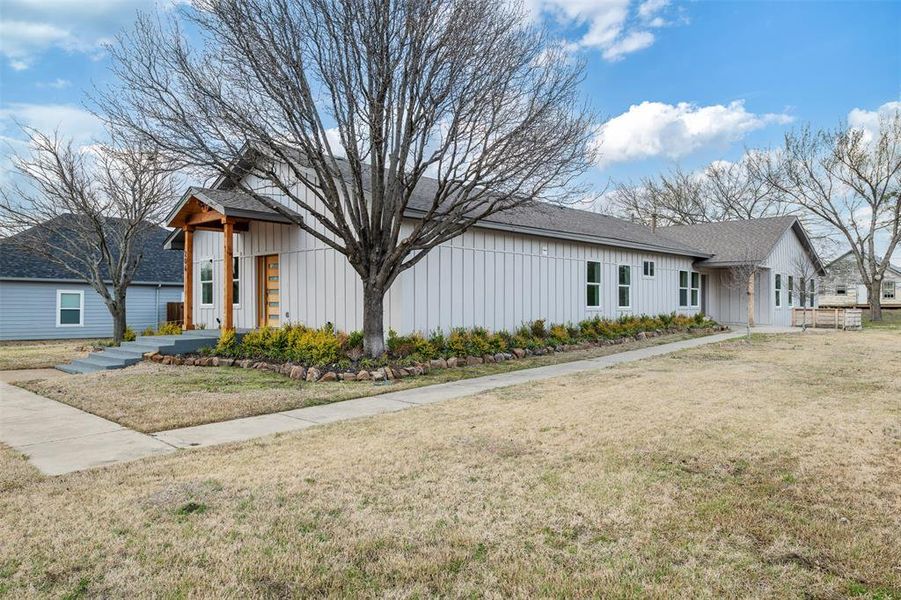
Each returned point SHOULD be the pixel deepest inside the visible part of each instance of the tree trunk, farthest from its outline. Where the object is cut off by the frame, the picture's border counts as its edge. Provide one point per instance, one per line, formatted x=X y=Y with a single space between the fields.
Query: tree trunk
x=373 y=320
x=117 y=311
x=876 y=300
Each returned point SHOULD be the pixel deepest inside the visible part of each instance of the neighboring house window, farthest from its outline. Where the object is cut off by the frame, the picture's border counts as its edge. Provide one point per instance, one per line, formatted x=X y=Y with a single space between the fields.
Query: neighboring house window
x=695 y=289
x=624 y=288
x=778 y=290
x=648 y=268
x=841 y=289
x=206 y=282
x=69 y=308
x=683 y=288
x=888 y=290
x=791 y=290
x=593 y=285
x=802 y=291
x=236 y=280
x=812 y=294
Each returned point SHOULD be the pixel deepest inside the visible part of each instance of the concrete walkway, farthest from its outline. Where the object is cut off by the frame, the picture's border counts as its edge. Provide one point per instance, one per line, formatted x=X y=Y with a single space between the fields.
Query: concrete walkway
x=292 y=420
x=58 y=438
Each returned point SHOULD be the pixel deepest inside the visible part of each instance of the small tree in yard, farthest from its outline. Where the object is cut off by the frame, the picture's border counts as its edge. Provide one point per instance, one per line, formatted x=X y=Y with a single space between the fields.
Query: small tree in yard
x=850 y=180
x=357 y=101
x=87 y=210
x=742 y=277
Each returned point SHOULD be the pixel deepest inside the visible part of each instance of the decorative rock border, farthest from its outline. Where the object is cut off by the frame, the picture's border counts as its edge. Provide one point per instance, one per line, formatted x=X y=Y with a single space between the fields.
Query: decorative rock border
x=415 y=369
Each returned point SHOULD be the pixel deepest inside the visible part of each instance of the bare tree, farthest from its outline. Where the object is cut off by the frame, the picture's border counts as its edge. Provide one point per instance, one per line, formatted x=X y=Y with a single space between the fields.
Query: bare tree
x=466 y=91
x=87 y=210
x=850 y=182
x=723 y=191
x=742 y=277
x=806 y=274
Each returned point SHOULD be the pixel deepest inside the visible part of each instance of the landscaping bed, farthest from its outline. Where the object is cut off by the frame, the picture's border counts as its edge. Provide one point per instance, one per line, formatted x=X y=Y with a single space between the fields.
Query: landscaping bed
x=324 y=355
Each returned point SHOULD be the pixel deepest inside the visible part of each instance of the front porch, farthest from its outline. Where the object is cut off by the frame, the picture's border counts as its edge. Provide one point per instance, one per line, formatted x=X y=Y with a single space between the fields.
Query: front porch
x=229 y=213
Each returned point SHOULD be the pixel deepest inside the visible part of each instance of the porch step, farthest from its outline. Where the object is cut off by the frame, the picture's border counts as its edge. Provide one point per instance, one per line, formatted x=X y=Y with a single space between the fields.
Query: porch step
x=130 y=353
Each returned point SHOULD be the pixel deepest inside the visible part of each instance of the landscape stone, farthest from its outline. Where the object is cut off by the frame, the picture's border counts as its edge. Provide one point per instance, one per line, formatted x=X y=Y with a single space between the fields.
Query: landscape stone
x=313 y=374
x=330 y=376
x=519 y=353
x=438 y=363
x=363 y=376
x=297 y=372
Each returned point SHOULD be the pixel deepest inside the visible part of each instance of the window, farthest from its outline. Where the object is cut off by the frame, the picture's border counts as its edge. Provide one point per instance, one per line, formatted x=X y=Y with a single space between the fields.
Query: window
x=695 y=289
x=812 y=294
x=236 y=280
x=841 y=289
x=802 y=291
x=791 y=290
x=683 y=288
x=593 y=284
x=206 y=282
x=778 y=290
x=648 y=268
x=625 y=287
x=888 y=290
x=69 y=308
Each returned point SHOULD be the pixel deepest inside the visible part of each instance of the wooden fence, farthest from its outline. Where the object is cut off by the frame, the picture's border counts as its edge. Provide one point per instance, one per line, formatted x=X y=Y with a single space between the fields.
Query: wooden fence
x=833 y=318
x=175 y=312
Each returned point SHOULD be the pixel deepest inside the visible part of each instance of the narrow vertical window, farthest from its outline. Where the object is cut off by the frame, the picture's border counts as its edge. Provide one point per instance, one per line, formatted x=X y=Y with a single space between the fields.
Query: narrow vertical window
x=778 y=288
x=624 y=287
x=683 y=288
x=206 y=282
x=812 y=294
x=236 y=280
x=791 y=290
x=648 y=268
x=593 y=284
x=695 y=289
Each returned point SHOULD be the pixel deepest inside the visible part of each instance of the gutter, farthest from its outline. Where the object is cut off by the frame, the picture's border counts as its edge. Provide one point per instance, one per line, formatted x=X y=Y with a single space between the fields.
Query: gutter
x=70 y=281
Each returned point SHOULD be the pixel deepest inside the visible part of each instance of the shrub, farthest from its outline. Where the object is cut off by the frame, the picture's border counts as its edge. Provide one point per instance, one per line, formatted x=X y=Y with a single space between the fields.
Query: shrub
x=148 y=331
x=129 y=334
x=537 y=328
x=228 y=343
x=169 y=329
x=412 y=346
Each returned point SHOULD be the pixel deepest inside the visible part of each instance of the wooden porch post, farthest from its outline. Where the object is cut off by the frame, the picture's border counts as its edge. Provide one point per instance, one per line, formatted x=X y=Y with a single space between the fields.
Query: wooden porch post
x=227 y=274
x=751 y=292
x=189 y=279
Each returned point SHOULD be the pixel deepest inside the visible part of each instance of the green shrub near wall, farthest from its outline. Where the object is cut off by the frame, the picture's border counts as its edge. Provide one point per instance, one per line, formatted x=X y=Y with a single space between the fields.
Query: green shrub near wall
x=326 y=346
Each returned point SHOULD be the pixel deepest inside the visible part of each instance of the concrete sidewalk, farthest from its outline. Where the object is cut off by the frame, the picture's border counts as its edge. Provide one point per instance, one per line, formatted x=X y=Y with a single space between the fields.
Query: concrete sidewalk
x=58 y=438
x=292 y=420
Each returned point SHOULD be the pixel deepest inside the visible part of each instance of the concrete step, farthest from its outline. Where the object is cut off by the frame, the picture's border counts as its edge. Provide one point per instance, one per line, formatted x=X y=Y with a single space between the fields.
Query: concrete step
x=130 y=353
x=124 y=357
x=104 y=361
x=126 y=353
x=78 y=367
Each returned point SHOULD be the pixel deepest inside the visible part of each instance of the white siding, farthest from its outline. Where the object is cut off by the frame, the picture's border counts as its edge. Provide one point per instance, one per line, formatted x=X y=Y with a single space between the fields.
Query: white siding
x=785 y=259
x=483 y=278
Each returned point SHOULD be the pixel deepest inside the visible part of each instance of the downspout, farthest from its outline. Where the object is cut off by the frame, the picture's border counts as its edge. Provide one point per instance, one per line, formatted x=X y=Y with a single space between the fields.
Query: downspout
x=158 y=286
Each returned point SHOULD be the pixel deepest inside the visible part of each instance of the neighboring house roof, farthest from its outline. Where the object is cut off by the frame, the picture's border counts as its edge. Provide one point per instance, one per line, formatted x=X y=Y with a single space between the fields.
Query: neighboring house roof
x=891 y=267
x=739 y=242
x=157 y=265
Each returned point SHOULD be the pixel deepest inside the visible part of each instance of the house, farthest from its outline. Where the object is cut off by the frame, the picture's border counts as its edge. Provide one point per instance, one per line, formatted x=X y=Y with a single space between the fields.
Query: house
x=40 y=299
x=541 y=262
x=843 y=285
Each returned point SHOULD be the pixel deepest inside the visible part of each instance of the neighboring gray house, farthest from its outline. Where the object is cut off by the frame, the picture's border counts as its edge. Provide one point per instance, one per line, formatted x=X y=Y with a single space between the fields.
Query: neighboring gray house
x=41 y=300
x=843 y=285
x=542 y=262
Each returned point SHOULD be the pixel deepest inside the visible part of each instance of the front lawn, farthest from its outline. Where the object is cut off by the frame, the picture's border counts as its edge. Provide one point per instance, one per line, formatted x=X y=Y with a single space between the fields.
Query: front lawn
x=161 y=397
x=769 y=468
x=891 y=319
x=42 y=354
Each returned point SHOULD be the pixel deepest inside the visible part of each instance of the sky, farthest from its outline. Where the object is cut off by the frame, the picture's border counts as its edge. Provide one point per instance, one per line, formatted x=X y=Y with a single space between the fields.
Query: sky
x=678 y=83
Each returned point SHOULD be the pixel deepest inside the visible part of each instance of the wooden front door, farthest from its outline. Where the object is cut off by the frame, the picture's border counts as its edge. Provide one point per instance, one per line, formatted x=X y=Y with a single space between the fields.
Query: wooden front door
x=269 y=291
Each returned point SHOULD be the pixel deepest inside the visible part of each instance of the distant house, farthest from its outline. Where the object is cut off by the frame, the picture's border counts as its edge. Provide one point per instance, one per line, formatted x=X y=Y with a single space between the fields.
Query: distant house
x=41 y=300
x=538 y=262
x=843 y=286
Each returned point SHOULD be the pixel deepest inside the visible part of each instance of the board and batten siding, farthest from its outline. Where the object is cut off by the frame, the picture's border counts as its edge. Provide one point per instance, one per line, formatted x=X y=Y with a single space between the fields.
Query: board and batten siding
x=486 y=278
x=28 y=310
x=784 y=259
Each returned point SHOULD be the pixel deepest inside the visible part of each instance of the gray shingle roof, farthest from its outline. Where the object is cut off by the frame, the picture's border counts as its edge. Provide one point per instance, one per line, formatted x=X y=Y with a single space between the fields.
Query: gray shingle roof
x=232 y=203
x=157 y=265
x=732 y=242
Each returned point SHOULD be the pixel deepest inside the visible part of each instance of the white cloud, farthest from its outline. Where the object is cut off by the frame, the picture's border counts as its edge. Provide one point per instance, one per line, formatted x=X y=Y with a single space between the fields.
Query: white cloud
x=615 y=27
x=868 y=120
x=652 y=129
x=57 y=84
x=70 y=121
x=30 y=27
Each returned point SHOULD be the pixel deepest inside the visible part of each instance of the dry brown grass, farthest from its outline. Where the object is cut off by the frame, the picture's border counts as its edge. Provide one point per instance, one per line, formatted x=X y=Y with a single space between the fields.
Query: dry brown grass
x=769 y=468
x=15 y=472
x=40 y=354
x=150 y=397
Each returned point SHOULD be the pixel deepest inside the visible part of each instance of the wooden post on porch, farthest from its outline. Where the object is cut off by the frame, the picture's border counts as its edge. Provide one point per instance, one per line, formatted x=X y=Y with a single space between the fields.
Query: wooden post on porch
x=751 y=300
x=227 y=275
x=189 y=278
